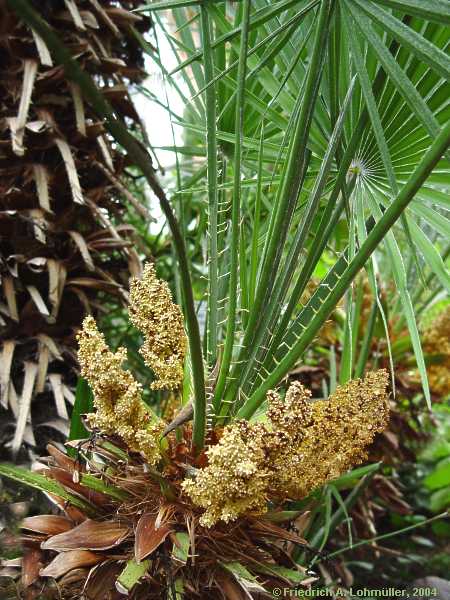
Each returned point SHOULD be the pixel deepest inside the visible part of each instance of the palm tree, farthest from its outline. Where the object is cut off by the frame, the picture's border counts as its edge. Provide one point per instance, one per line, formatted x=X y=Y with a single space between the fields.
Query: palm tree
x=325 y=129
x=64 y=246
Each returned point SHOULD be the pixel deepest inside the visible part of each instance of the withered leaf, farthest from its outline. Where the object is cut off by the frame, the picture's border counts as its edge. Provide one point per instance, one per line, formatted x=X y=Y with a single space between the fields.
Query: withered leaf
x=49 y=524
x=147 y=538
x=24 y=405
x=231 y=590
x=89 y=535
x=61 y=458
x=101 y=580
x=49 y=147
x=67 y=561
x=31 y=565
x=74 y=578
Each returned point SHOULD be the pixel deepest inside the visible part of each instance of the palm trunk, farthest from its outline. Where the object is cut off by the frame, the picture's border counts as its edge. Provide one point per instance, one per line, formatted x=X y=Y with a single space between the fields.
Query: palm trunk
x=62 y=202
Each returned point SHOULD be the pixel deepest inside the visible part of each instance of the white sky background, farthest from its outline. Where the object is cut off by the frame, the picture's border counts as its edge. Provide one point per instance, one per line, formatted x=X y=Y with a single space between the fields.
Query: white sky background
x=156 y=119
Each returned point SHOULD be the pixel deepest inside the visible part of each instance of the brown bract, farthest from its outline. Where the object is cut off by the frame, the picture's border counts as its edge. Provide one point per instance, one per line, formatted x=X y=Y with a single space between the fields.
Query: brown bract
x=48 y=524
x=149 y=535
x=68 y=561
x=89 y=535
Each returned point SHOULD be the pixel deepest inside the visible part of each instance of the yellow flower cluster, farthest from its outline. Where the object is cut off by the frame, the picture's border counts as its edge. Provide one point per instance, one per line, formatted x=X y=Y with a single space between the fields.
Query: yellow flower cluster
x=336 y=438
x=120 y=409
x=233 y=483
x=161 y=321
x=303 y=445
x=436 y=341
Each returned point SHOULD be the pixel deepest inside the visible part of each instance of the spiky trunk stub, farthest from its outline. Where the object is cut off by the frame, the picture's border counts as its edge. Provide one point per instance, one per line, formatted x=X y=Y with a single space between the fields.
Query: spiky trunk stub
x=63 y=244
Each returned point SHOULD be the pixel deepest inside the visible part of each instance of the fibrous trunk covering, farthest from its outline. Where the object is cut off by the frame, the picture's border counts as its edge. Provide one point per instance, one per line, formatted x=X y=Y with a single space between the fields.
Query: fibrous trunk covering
x=62 y=244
